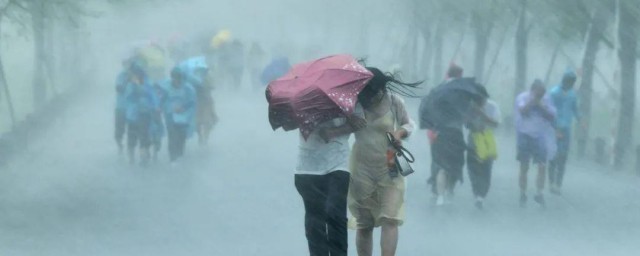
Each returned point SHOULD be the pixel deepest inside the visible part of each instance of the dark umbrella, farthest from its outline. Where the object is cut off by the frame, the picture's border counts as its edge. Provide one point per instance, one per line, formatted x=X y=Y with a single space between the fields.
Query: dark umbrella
x=449 y=103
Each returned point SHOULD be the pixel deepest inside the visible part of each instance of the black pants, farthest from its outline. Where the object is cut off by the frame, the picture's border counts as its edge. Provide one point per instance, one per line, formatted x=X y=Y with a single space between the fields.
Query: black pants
x=479 y=174
x=447 y=152
x=138 y=132
x=177 y=138
x=556 y=169
x=325 y=204
x=121 y=125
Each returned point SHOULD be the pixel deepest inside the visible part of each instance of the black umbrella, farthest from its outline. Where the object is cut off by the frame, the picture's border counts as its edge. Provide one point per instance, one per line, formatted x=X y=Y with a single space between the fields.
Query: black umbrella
x=449 y=103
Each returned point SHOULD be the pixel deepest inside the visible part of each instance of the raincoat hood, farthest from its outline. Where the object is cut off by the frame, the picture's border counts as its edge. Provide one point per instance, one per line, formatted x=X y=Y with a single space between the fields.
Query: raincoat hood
x=569 y=75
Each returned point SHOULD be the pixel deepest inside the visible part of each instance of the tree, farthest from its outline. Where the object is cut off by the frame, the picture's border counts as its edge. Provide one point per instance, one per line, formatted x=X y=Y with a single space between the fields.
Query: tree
x=603 y=11
x=5 y=12
x=628 y=37
x=521 y=45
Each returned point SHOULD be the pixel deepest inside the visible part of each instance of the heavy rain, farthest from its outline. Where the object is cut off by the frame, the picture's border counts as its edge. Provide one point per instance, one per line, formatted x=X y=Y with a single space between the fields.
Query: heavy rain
x=299 y=127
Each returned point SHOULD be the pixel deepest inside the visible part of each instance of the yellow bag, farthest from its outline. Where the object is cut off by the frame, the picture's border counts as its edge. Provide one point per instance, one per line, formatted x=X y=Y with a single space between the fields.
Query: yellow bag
x=485 y=145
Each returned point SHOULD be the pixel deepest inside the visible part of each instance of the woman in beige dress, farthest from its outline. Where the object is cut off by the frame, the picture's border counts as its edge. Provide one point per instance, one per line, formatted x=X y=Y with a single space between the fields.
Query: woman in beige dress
x=376 y=198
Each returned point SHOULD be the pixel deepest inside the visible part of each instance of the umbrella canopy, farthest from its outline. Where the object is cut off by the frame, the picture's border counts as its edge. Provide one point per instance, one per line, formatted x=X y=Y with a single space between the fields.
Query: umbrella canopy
x=220 y=38
x=449 y=103
x=315 y=92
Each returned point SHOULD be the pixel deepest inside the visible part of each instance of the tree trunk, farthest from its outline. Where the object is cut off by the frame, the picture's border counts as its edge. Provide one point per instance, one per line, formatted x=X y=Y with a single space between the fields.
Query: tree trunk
x=628 y=35
x=522 y=37
x=598 y=24
x=438 y=43
x=39 y=82
x=487 y=77
x=427 y=53
x=482 y=31
x=415 y=61
x=547 y=77
x=6 y=92
x=49 y=51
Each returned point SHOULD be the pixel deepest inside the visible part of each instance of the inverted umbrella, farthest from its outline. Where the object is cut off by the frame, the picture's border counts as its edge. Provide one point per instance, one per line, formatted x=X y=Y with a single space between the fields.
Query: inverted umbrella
x=315 y=92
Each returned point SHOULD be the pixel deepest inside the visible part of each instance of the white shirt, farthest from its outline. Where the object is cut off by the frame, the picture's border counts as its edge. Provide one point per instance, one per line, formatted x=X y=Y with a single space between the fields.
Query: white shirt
x=316 y=157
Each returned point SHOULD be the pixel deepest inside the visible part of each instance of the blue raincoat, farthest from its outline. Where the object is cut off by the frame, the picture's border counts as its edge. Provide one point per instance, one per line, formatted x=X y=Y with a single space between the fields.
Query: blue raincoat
x=277 y=68
x=141 y=99
x=192 y=69
x=566 y=103
x=121 y=85
x=156 y=127
x=184 y=97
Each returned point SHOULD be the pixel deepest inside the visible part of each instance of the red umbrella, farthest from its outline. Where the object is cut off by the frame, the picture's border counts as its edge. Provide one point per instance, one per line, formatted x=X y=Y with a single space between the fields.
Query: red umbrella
x=315 y=92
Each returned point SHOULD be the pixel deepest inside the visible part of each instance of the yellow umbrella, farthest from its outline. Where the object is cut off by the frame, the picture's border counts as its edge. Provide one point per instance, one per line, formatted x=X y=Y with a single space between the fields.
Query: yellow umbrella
x=220 y=38
x=154 y=56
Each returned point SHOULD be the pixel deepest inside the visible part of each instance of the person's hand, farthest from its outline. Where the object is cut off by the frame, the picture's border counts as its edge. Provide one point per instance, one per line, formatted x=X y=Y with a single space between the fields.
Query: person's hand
x=325 y=134
x=398 y=136
x=356 y=122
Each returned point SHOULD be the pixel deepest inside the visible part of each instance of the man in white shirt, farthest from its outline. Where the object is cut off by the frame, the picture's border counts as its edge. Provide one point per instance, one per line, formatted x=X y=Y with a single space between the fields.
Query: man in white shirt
x=322 y=179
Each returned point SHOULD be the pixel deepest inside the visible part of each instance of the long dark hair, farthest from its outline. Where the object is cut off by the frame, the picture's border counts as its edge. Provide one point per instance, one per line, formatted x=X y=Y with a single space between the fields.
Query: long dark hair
x=382 y=81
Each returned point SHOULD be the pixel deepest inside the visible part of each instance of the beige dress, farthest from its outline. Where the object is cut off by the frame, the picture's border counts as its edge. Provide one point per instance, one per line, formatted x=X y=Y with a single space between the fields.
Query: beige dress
x=375 y=196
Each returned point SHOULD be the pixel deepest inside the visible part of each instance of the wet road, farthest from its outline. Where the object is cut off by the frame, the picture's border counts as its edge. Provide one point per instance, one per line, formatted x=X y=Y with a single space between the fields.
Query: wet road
x=72 y=195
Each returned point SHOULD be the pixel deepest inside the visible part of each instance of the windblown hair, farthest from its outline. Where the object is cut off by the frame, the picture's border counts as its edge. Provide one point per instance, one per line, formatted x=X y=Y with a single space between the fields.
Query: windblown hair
x=391 y=82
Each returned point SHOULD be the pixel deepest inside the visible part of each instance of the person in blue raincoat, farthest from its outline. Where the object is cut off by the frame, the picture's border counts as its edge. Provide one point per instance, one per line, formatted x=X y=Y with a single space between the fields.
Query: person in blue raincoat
x=141 y=104
x=277 y=68
x=566 y=102
x=156 y=127
x=197 y=74
x=120 y=112
x=179 y=109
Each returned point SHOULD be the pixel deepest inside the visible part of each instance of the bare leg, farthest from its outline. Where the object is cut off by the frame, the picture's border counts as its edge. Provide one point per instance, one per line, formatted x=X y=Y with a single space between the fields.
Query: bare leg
x=541 y=178
x=207 y=132
x=201 y=135
x=524 y=169
x=132 y=156
x=441 y=186
x=441 y=182
x=389 y=239
x=364 y=242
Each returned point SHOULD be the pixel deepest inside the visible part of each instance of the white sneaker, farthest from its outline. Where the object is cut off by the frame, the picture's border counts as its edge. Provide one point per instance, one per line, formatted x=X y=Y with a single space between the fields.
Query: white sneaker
x=440 y=200
x=479 y=203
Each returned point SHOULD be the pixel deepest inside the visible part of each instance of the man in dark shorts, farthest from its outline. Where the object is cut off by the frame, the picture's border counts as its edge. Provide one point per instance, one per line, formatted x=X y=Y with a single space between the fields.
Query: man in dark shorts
x=535 y=114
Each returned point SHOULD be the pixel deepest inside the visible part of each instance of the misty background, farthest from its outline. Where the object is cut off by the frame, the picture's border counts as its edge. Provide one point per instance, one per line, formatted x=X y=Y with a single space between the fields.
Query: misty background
x=65 y=191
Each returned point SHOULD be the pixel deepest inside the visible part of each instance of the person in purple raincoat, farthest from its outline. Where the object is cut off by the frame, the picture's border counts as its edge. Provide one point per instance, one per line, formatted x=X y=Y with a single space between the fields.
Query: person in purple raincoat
x=535 y=116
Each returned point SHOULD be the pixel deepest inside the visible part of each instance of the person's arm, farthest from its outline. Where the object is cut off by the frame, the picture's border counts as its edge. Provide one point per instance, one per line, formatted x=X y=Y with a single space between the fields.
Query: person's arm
x=327 y=134
x=491 y=116
x=548 y=109
x=407 y=126
x=354 y=123
x=526 y=104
